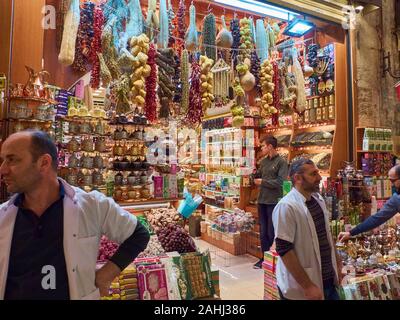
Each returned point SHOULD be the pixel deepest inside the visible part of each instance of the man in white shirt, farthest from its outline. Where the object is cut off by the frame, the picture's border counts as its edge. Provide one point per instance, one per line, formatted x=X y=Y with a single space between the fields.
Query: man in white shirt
x=308 y=265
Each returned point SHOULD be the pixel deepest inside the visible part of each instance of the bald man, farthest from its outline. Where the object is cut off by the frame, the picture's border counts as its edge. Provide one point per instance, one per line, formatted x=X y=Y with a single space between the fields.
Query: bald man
x=50 y=231
x=391 y=207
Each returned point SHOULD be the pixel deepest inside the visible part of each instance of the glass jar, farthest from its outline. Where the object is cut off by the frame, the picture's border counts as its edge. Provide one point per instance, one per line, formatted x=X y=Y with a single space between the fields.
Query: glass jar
x=99 y=128
x=100 y=145
x=98 y=162
x=73 y=161
x=73 y=127
x=87 y=162
x=88 y=179
x=85 y=127
x=118 y=179
x=97 y=178
x=145 y=192
x=72 y=178
x=118 y=194
x=73 y=145
x=87 y=145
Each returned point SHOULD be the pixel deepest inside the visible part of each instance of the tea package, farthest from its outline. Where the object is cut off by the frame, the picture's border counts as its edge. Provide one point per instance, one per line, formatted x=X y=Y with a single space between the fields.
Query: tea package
x=152 y=282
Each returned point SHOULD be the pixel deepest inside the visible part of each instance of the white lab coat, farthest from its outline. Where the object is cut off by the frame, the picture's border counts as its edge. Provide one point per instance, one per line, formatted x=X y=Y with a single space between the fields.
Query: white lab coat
x=87 y=216
x=293 y=222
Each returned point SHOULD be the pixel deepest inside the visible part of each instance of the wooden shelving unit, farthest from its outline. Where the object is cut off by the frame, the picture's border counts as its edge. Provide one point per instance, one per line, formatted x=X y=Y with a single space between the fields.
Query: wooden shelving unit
x=338 y=149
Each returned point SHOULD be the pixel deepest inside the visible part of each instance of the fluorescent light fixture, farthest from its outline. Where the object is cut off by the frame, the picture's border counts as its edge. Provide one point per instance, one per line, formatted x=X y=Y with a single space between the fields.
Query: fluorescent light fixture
x=298 y=28
x=260 y=8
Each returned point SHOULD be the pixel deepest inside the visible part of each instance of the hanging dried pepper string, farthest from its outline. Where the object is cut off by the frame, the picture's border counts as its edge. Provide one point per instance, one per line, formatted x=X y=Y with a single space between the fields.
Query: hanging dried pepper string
x=275 y=94
x=195 y=111
x=151 y=84
x=84 y=37
x=98 y=22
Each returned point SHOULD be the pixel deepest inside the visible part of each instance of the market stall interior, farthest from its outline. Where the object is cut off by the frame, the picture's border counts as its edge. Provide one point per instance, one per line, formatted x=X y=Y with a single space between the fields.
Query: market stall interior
x=162 y=104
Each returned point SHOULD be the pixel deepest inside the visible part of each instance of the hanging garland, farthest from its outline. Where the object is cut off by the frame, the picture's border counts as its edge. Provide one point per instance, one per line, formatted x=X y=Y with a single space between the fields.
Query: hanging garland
x=185 y=81
x=275 y=94
x=255 y=69
x=98 y=23
x=235 y=30
x=164 y=25
x=195 y=111
x=180 y=27
x=171 y=25
x=209 y=36
x=151 y=85
x=176 y=79
x=84 y=37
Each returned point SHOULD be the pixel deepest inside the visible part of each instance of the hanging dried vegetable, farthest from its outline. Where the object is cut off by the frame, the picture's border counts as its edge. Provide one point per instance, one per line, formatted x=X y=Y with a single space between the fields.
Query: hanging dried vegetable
x=209 y=36
x=61 y=13
x=98 y=21
x=191 y=41
x=71 y=25
x=151 y=86
x=152 y=21
x=224 y=37
x=110 y=52
x=185 y=81
x=84 y=38
x=288 y=84
x=237 y=108
x=141 y=70
x=275 y=94
x=122 y=89
x=267 y=89
x=253 y=31
x=255 y=69
x=246 y=44
x=164 y=27
x=235 y=31
x=176 y=79
x=301 y=102
x=206 y=89
x=166 y=70
x=261 y=40
x=105 y=74
x=171 y=26
x=180 y=27
x=195 y=111
x=134 y=26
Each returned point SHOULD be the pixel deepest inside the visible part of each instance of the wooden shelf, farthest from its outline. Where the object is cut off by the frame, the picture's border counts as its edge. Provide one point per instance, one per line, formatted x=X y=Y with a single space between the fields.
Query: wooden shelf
x=326 y=126
x=373 y=151
x=148 y=201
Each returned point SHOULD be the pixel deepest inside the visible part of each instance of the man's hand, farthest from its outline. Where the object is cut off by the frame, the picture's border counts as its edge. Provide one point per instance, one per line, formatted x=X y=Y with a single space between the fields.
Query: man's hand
x=343 y=236
x=312 y=292
x=257 y=182
x=105 y=276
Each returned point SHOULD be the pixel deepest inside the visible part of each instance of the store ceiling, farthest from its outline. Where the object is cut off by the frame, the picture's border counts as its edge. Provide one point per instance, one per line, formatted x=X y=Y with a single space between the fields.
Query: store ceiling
x=331 y=10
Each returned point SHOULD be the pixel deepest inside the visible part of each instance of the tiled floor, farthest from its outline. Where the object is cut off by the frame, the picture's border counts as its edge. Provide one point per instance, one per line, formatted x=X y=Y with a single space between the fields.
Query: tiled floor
x=238 y=279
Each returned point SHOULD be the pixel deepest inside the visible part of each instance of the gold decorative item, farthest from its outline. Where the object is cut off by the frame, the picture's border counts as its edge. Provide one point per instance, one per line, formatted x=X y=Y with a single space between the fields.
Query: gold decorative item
x=36 y=83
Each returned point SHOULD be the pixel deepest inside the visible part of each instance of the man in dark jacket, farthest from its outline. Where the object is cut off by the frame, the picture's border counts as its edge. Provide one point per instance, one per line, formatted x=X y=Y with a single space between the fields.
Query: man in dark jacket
x=270 y=176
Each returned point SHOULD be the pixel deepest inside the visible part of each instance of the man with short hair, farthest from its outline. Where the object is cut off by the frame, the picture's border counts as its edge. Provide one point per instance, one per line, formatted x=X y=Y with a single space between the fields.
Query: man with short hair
x=270 y=177
x=308 y=264
x=50 y=231
x=391 y=208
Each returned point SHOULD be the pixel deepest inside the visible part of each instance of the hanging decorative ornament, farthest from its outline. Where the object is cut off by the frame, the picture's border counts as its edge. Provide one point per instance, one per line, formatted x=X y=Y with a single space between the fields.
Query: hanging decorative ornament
x=221 y=78
x=164 y=25
x=209 y=36
x=71 y=25
x=151 y=85
x=191 y=39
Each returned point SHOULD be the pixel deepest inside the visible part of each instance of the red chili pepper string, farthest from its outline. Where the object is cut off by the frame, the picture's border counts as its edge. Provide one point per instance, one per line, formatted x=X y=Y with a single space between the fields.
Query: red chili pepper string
x=96 y=47
x=151 y=84
x=275 y=94
x=195 y=111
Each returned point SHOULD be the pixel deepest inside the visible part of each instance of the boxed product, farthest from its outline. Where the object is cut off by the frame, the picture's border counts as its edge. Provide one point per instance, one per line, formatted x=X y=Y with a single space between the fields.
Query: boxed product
x=166 y=186
x=198 y=269
x=158 y=186
x=152 y=282
x=394 y=285
x=173 y=185
x=182 y=278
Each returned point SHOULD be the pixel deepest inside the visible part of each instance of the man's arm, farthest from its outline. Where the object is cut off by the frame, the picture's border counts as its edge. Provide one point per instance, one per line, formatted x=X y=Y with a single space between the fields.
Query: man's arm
x=126 y=253
x=278 y=182
x=391 y=207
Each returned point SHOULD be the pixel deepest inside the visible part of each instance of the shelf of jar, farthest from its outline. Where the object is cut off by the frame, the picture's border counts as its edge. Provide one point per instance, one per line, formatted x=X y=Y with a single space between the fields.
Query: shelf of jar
x=330 y=126
x=222 y=174
x=77 y=134
x=87 y=152
x=37 y=99
x=29 y=120
x=80 y=118
x=323 y=148
x=81 y=168
x=272 y=129
x=130 y=124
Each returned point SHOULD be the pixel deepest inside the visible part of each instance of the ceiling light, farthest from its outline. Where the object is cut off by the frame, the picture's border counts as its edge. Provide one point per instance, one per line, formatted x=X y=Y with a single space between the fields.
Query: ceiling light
x=260 y=8
x=298 y=28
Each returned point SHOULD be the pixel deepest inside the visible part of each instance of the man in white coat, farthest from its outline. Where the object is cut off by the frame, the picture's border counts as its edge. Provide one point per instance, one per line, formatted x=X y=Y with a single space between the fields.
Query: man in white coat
x=307 y=267
x=50 y=231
